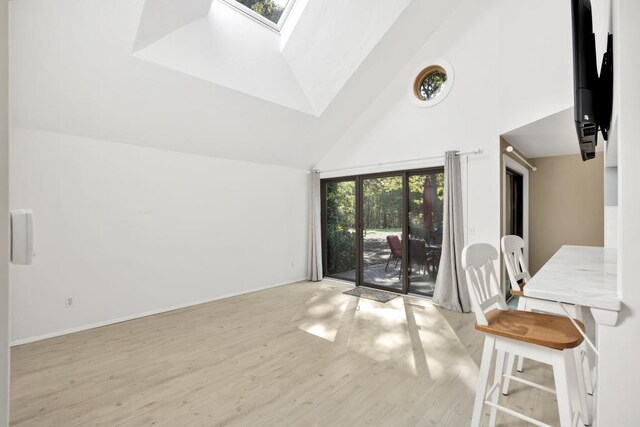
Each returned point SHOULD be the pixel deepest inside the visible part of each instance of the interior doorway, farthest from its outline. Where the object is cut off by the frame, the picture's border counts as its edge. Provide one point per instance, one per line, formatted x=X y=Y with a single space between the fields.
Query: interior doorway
x=515 y=207
x=384 y=230
x=514 y=212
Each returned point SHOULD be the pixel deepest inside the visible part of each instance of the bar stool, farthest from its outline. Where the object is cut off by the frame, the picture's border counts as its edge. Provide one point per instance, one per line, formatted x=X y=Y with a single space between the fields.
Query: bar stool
x=518 y=272
x=542 y=337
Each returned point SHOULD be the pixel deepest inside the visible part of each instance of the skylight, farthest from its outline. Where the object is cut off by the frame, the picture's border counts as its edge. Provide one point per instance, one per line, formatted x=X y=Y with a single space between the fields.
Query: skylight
x=271 y=13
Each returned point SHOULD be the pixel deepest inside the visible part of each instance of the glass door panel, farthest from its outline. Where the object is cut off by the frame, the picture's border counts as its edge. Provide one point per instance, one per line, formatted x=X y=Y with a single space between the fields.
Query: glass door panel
x=382 y=223
x=340 y=230
x=426 y=198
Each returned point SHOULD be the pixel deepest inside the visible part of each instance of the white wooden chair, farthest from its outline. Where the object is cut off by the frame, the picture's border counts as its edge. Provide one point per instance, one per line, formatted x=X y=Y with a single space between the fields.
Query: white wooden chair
x=542 y=337
x=518 y=272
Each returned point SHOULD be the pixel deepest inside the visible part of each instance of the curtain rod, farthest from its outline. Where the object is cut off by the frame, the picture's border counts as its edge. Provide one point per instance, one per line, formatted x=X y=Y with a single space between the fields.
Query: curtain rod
x=515 y=153
x=464 y=153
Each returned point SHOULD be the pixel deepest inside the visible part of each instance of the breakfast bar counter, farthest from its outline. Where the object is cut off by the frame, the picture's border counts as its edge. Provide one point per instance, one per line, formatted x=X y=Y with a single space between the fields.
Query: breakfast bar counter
x=581 y=275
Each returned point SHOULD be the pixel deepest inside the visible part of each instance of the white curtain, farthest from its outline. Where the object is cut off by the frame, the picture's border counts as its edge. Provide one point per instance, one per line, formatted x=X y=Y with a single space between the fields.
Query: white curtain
x=315 y=228
x=451 y=286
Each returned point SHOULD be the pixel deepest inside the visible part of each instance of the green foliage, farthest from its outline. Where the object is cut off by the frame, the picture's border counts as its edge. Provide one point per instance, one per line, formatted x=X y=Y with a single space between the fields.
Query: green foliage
x=416 y=206
x=432 y=84
x=267 y=8
x=382 y=202
x=341 y=227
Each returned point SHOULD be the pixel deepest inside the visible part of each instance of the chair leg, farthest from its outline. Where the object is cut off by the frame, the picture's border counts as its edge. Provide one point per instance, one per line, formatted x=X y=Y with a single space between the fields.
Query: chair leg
x=522 y=306
x=585 y=364
x=579 y=389
x=483 y=379
x=505 y=383
x=497 y=378
x=561 y=365
x=389 y=259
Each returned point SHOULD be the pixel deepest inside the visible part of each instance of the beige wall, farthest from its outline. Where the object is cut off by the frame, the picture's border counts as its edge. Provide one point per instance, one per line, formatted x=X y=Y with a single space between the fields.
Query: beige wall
x=566 y=199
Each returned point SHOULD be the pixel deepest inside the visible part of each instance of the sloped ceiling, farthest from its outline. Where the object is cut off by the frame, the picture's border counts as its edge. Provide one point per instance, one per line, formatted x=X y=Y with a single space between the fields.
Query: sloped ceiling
x=76 y=70
x=161 y=17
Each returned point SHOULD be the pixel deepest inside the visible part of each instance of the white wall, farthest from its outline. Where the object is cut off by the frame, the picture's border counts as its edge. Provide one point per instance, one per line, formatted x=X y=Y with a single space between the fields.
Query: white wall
x=4 y=207
x=394 y=129
x=536 y=62
x=611 y=205
x=619 y=378
x=128 y=230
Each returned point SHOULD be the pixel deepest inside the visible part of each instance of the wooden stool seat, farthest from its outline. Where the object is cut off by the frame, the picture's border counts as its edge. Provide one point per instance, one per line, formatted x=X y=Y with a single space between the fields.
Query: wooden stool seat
x=542 y=329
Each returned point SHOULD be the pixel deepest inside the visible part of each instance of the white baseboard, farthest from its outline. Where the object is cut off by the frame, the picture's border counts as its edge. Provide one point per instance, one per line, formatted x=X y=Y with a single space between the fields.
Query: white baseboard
x=342 y=282
x=144 y=314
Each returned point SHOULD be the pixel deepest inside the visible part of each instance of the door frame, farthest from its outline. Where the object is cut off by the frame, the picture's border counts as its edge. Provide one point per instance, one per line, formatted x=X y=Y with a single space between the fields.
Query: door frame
x=404 y=266
x=509 y=163
x=358 y=180
x=323 y=221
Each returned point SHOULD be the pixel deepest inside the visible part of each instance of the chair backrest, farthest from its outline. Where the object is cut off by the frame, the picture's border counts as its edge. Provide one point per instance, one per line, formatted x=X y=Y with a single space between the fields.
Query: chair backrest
x=395 y=245
x=512 y=249
x=484 y=289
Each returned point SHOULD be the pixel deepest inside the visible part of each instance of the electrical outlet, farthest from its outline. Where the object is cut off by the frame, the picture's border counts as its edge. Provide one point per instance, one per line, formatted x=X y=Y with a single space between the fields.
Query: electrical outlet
x=68 y=302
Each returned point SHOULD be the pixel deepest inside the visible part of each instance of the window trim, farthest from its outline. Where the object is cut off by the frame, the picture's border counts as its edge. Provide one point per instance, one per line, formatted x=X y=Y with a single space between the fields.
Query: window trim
x=276 y=27
x=421 y=72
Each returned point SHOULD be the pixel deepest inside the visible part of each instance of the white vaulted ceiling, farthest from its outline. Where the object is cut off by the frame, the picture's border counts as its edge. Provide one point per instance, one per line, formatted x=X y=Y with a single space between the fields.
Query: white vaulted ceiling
x=161 y=17
x=304 y=69
x=196 y=76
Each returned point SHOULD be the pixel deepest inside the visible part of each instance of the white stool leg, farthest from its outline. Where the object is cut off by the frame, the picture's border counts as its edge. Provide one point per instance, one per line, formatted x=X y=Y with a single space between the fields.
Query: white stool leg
x=579 y=389
x=511 y=358
x=522 y=306
x=483 y=379
x=585 y=365
x=497 y=379
x=561 y=365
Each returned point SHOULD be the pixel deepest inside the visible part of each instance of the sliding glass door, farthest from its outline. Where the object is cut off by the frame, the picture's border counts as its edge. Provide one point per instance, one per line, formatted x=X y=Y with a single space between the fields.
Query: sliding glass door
x=426 y=197
x=339 y=227
x=382 y=224
x=384 y=230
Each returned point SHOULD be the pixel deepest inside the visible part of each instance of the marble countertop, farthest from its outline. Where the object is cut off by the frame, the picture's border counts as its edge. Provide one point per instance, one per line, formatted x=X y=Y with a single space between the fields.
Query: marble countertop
x=584 y=275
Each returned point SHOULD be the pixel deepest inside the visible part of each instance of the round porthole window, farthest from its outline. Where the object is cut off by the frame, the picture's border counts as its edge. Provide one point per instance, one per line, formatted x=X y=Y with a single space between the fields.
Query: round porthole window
x=432 y=83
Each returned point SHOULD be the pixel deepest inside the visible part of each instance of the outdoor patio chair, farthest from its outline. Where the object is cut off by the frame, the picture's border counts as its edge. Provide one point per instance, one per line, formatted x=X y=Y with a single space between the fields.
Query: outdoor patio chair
x=396 y=250
x=418 y=255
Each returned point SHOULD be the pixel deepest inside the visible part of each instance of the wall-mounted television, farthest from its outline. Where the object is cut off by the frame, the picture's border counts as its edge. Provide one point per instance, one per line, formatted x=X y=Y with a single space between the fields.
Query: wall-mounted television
x=592 y=93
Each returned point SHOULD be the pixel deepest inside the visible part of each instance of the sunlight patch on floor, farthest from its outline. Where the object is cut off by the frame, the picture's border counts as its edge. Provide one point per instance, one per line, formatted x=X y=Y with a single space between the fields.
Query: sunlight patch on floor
x=412 y=335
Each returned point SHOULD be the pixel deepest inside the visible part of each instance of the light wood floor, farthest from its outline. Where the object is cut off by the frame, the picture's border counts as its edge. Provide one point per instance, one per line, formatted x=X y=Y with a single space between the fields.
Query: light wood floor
x=301 y=354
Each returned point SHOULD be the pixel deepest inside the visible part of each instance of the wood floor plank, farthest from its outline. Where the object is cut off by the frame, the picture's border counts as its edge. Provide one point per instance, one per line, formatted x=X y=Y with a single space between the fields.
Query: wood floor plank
x=299 y=354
